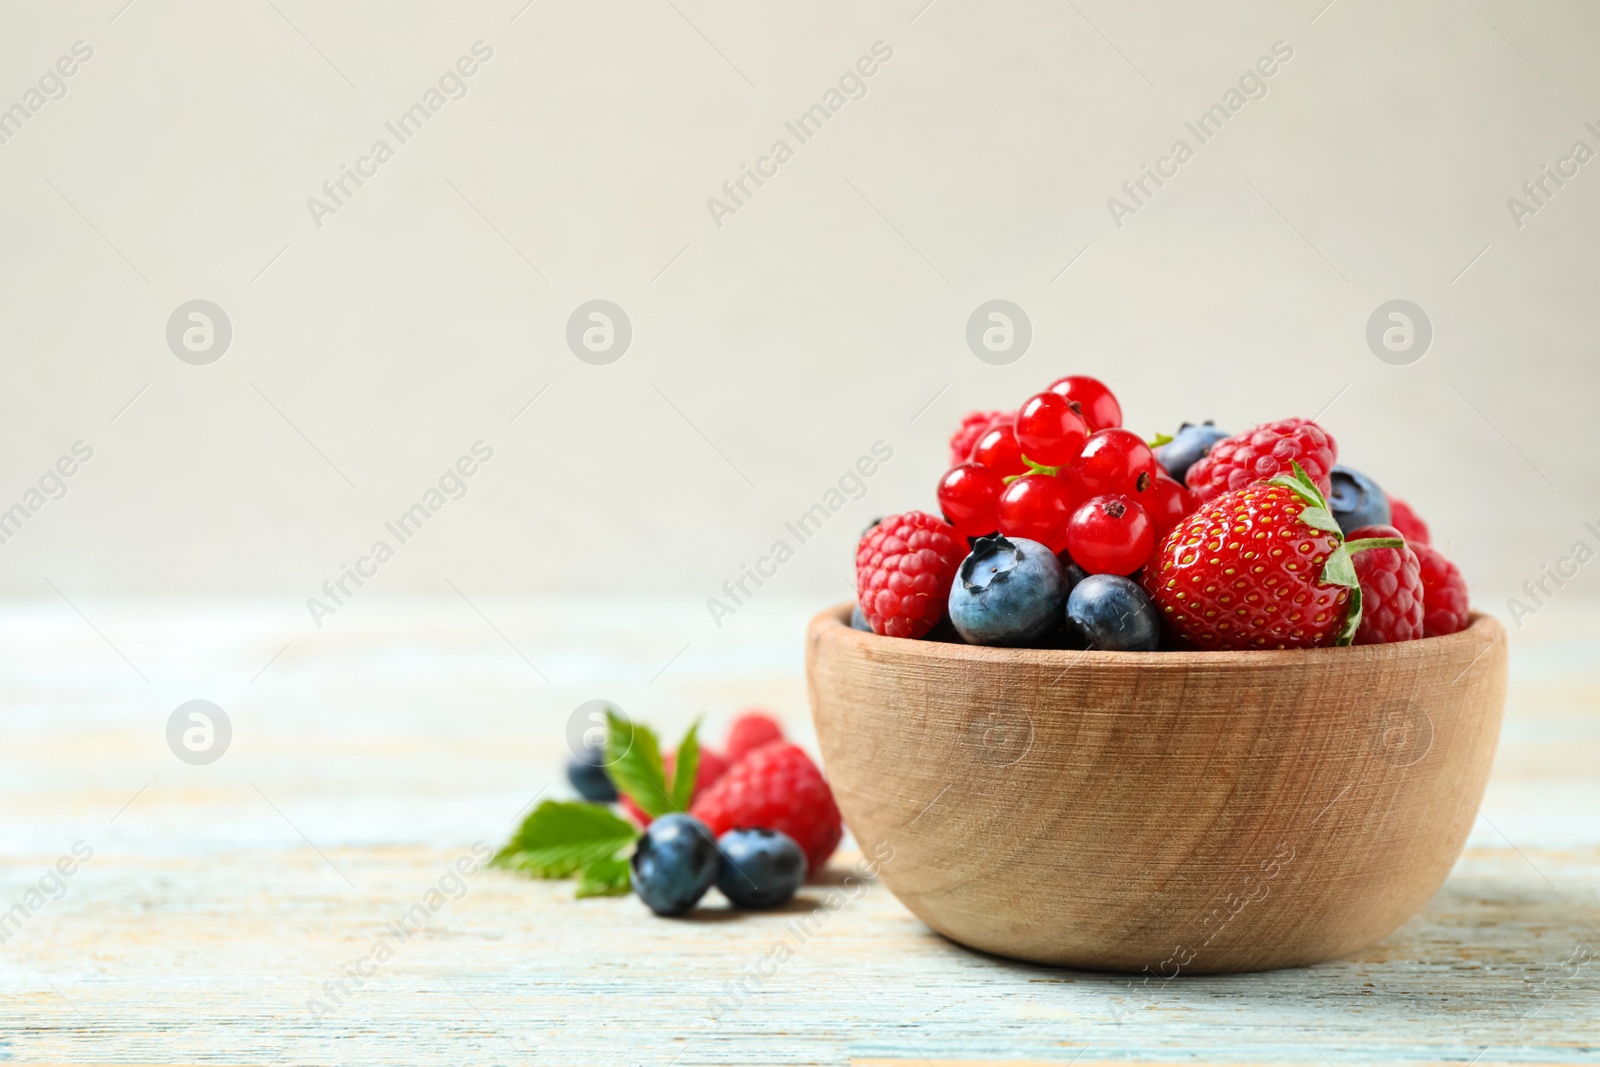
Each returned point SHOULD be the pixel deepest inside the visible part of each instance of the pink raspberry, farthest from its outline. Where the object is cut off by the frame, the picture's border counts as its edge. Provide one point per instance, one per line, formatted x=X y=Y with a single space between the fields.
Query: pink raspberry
x=1444 y=593
x=973 y=426
x=1263 y=453
x=904 y=567
x=776 y=787
x=749 y=732
x=1408 y=522
x=1391 y=590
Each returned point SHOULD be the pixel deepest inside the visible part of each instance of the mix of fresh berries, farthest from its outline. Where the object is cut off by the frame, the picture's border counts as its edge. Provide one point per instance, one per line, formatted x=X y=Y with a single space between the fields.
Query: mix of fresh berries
x=1064 y=529
x=903 y=570
x=753 y=824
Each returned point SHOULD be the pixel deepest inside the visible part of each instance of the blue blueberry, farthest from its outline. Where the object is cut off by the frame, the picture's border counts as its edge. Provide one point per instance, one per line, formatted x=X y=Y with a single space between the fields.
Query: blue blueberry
x=1188 y=445
x=674 y=863
x=760 y=868
x=1357 y=501
x=1071 y=571
x=588 y=776
x=1112 y=613
x=858 y=620
x=1009 y=591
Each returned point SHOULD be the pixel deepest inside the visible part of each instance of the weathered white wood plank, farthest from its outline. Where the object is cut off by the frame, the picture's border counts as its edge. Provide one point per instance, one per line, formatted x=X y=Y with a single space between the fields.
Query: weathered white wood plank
x=204 y=922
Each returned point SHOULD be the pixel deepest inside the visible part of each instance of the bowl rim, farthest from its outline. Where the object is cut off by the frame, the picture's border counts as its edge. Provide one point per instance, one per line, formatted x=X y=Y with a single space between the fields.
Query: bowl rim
x=1481 y=630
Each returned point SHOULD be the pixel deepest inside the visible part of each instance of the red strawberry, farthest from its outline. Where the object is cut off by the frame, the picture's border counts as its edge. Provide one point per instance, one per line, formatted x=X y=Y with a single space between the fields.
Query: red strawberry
x=749 y=732
x=1262 y=453
x=1444 y=593
x=1408 y=522
x=711 y=767
x=1391 y=589
x=1260 y=567
x=972 y=427
x=776 y=787
x=904 y=567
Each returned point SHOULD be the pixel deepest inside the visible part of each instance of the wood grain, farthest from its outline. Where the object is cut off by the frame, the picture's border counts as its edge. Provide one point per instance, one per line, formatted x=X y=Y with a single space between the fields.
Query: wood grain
x=1160 y=812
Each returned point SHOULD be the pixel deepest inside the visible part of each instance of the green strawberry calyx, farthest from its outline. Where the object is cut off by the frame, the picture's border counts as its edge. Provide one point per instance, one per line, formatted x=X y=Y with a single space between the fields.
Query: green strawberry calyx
x=1340 y=569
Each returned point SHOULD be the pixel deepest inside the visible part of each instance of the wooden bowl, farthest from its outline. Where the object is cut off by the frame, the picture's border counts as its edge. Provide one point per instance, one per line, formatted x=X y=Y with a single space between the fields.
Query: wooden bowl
x=1159 y=812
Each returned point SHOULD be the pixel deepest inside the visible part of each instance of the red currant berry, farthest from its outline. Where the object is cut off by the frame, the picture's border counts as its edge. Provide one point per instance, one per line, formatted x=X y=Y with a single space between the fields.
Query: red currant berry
x=1109 y=534
x=1167 y=503
x=1115 y=461
x=1096 y=403
x=1037 y=506
x=1048 y=431
x=969 y=496
x=998 y=451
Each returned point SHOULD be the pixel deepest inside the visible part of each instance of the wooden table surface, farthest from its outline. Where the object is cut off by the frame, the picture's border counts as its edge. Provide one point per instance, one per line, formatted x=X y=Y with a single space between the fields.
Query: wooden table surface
x=221 y=900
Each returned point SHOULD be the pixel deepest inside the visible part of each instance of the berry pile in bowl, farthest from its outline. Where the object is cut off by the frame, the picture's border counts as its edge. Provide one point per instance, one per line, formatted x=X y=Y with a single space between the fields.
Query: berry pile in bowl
x=1060 y=528
x=1196 y=704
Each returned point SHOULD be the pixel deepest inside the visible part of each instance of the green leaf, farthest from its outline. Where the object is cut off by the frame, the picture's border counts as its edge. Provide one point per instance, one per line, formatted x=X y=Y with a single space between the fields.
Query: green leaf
x=1305 y=480
x=1341 y=570
x=559 y=838
x=1322 y=519
x=1374 y=542
x=1352 y=621
x=688 y=765
x=1161 y=439
x=633 y=760
x=605 y=878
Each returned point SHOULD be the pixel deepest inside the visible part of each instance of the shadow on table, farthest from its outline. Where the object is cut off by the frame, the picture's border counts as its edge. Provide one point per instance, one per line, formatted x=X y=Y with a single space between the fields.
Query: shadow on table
x=1517 y=953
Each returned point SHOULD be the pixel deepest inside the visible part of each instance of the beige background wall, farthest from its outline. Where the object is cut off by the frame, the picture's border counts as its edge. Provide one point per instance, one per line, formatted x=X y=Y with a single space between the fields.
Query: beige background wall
x=769 y=353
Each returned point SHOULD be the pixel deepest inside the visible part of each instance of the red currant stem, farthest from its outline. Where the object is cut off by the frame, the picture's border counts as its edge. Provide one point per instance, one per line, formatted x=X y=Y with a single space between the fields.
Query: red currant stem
x=1039 y=468
x=1374 y=542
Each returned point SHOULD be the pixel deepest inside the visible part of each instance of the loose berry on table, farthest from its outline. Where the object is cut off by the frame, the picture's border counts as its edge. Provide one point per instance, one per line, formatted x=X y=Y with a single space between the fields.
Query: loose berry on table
x=776 y=787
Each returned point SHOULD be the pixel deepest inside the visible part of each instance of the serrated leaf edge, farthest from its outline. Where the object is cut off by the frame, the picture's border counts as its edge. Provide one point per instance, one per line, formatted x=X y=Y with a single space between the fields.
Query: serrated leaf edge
x=637 y=770
x=686 y=768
